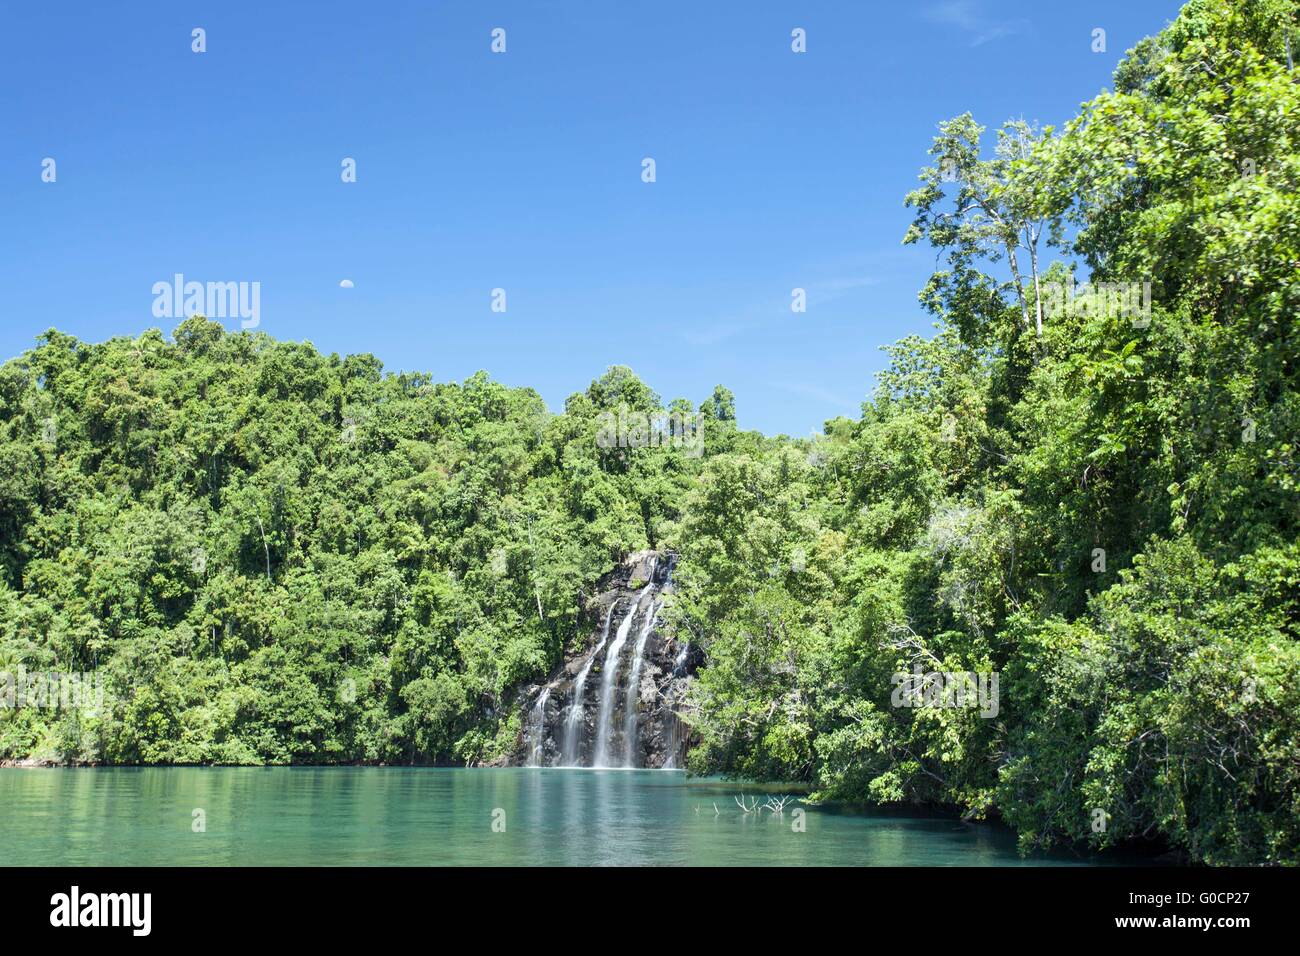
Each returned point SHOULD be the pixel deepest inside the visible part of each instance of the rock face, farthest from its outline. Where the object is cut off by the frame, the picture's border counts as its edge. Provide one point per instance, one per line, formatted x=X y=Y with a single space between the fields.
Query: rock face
x=613 y=701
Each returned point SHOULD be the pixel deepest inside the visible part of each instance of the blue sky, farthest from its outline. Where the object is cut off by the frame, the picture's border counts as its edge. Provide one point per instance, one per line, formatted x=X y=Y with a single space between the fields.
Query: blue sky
x=519 y=171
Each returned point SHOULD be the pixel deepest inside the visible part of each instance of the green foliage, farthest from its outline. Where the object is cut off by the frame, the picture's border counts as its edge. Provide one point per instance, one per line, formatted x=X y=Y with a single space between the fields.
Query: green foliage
x=274 y=556
x=1103 y=512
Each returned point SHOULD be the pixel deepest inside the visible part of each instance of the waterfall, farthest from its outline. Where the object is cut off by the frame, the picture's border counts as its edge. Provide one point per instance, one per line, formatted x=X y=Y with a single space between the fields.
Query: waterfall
x=674 y=742
x=618 y=728
x=634 y=686
x=537 y=729
x=574 y=718
x=608 y=675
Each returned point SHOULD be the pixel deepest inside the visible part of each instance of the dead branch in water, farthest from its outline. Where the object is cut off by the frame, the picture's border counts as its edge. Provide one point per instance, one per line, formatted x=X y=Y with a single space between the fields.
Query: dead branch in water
x=777 y=805
x=748 y=808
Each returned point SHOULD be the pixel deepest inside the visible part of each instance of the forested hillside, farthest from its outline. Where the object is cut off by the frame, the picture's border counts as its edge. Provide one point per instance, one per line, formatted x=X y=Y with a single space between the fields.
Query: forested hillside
x=278 y=556
x=1100 y=506
x=275 y=555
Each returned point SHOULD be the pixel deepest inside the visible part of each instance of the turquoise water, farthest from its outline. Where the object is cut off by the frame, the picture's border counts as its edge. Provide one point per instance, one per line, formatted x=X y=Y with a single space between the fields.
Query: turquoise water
x=417 y=816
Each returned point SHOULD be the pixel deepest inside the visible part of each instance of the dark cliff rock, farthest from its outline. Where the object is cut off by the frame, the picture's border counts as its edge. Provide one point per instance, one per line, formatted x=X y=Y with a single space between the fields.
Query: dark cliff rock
x=556 y=733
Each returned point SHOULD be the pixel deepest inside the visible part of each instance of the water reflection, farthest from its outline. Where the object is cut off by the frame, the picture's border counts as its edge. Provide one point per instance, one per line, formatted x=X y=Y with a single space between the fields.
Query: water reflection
x=423 y=816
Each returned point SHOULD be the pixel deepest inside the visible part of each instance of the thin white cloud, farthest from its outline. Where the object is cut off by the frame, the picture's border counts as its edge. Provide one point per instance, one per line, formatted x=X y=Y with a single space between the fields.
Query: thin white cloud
x=954 y=13
x=818 y=292
x=1008 y=29
x=967 y=16
x=817 y=393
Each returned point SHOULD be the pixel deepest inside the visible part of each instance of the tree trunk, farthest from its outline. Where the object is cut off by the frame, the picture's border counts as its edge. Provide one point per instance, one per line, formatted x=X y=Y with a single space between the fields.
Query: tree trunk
x=266 y=548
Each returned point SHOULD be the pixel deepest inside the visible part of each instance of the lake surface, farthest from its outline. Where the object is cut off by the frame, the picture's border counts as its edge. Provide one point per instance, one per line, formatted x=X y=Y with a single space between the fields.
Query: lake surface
x=419 y=816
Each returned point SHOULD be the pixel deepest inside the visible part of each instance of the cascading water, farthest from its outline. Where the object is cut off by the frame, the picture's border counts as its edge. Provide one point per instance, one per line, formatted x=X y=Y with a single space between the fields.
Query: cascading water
x=537 y=729
x=634 y=685
x=608 y=676
x=629 y=721
x=674 y=726
x=574 y=716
